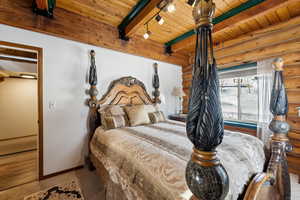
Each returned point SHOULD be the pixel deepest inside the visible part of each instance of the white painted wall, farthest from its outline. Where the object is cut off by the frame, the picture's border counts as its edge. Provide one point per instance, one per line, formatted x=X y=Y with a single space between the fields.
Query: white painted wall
x=66 y=64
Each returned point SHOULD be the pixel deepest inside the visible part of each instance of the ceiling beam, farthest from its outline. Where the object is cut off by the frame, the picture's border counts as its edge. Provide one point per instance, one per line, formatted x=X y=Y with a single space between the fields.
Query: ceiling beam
x=18 y=60
x=137 y=18
x=18 y=53
x=228 y=20
x=43 y=7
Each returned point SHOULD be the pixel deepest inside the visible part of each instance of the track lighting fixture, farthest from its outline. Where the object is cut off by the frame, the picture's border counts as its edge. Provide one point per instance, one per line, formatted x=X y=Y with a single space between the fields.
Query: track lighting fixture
x=159 y=20
x=164 y=5
x=171 y=7
x=167 y=5
x=148 y=33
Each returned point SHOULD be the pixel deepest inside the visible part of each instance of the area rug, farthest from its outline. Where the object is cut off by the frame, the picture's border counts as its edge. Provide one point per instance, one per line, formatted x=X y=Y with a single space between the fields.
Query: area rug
x=68 y=191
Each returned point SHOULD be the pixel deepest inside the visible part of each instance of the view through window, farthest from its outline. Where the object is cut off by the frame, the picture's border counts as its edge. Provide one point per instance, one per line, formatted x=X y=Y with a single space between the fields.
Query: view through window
x=239 y=97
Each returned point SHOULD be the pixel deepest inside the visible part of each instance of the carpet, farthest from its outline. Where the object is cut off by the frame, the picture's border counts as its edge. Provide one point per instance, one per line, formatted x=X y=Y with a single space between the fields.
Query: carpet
x=67 y=191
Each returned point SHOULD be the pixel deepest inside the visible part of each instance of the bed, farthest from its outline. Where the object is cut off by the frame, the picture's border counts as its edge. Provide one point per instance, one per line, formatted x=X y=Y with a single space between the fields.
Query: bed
x=149 y=161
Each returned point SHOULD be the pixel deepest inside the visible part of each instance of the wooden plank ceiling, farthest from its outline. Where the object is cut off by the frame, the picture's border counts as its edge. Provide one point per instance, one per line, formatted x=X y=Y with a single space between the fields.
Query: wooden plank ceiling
x=112 y=12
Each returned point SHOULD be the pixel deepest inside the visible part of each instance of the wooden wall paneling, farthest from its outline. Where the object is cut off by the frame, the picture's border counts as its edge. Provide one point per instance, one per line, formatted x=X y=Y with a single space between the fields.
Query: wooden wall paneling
x=269 y=38
x=291 y=70
x=82 y=29
x=21 y=144
x=293 y=96
x=18 y=169
x=294 y=122
x=239 y=129
x=259 y=33
x=17 y=52
x=292 y=108
x=17 y=60
x=265 y=52
x=292 y=82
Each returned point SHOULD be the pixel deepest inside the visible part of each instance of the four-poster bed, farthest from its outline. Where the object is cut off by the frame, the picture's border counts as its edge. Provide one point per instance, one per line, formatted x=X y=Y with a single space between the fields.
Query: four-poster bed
x=122 y=155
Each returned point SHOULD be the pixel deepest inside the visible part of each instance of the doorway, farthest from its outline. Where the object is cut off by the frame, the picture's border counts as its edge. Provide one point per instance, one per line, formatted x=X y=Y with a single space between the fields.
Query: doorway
x=21 y=114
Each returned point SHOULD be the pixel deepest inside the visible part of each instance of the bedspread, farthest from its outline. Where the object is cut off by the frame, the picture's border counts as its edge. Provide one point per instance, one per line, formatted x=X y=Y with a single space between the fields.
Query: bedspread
x=149 y=161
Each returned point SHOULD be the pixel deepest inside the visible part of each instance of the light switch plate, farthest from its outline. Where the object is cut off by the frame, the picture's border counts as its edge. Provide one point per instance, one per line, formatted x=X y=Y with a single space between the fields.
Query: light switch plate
x=52 y=105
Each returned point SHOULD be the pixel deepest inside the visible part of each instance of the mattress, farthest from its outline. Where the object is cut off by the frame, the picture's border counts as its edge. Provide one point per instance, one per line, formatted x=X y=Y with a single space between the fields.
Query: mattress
x=149 y=161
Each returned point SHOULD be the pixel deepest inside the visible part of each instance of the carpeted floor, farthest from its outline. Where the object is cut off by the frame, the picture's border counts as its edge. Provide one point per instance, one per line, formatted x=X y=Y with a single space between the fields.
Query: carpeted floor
x=89 y=184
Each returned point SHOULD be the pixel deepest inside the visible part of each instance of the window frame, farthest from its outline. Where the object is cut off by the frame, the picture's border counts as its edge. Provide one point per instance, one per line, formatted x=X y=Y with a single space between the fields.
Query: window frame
x=239 y=123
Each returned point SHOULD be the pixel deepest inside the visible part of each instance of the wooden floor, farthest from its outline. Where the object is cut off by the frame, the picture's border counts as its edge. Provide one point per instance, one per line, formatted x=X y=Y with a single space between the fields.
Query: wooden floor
x=18 y=161
x=89 y=182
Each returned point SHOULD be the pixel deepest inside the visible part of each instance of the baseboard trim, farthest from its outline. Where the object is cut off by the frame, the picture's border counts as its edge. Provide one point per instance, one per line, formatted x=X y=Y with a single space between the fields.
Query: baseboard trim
x=61 y=172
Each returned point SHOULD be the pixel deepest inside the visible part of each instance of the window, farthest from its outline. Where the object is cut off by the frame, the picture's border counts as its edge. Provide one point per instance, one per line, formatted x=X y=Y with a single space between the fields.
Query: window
x=239 y=94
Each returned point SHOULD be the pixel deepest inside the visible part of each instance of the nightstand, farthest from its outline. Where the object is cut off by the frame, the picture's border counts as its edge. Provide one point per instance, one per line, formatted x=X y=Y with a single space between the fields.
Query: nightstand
x=178 y=117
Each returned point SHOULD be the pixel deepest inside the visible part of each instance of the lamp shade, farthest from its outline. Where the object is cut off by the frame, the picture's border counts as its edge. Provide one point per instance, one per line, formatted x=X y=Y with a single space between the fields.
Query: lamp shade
x=178 y=92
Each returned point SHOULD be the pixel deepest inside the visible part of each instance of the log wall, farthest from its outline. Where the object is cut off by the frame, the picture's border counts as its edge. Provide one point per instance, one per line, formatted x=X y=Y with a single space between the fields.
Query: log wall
x=279 y=40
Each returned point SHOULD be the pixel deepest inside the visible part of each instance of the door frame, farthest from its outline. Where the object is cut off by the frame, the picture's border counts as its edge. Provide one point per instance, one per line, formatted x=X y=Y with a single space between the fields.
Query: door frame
x=40 y=100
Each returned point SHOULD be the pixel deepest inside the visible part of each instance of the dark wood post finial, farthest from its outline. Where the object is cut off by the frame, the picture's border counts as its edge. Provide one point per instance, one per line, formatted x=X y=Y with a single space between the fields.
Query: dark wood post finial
x=93 y=81
x=280 y=143
x=155 y=83
x=205 y=175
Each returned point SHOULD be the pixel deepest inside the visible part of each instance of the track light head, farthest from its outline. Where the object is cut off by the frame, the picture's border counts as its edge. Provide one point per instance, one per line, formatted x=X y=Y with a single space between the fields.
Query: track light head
x=147 y=35
x=171 y=7
x=167 y=5
x=159 y=20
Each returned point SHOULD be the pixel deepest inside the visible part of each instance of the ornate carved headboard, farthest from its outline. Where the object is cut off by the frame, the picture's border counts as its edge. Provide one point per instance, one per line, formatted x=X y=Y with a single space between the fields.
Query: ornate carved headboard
x=126 y=91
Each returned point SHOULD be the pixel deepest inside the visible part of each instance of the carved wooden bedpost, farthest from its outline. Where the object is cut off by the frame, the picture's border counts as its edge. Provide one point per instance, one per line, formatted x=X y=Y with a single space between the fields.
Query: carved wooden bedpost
x=92 y=103
x=155 y=83
x=93 y=81
x=205 y=175
x=275 y=182
x=278 y=168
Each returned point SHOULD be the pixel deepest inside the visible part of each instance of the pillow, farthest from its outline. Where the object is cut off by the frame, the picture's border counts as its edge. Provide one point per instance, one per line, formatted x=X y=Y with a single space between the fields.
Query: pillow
x=149 y=108
x=110 y=111
x=156 y=117
x=116 y=121
x=137 y=115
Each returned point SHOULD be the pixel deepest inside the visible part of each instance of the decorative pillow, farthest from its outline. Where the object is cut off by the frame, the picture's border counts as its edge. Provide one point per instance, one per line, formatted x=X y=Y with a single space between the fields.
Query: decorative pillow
x=156 y=117
x=149 y=108
x=116 y=121
x=137 y=115
x=110 y=111
x=116 y=110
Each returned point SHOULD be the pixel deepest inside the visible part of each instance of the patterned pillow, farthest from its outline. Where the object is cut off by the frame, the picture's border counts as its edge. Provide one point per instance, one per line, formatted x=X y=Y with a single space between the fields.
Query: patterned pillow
x=116 y=121
x=156 y=117
x=137 y=115
x=111 y=111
